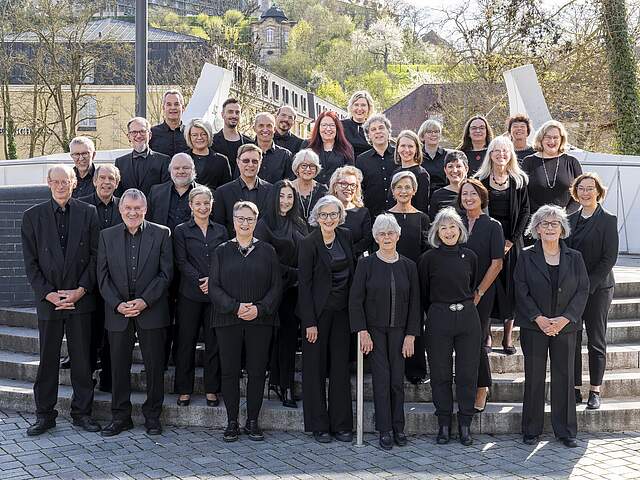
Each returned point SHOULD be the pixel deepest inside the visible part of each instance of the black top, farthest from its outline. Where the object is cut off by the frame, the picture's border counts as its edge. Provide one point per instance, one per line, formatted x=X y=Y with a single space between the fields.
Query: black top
x=212 y=170
x=554 y=271
x=518 y=211
x=421 y=199
x=229 y=149
x=435 y=167
x=524 y=153
x=108 y=214
x=499 y=207
x=443 y=197
x=166 y=140
x=377 y=172
x=358 y=221
x=235 y=279
x=339 y=294
x=289 y=141
x=62 y=224
x=447 y=275
x=193 y=253
x=475 y=158
x=414 y=234
x=385 y=295
x=355 y=135
x=179 y=210
x=545 y=186
x=228 y=194
x=308 y=202
x=330 y=162
x=486 y=240
x=276 y=164
x=85 y=184
x=131 y=255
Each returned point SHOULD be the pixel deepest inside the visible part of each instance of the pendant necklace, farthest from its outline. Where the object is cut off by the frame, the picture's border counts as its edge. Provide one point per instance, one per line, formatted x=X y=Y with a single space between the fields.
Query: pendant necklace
x=497 y=182
x=555 y=175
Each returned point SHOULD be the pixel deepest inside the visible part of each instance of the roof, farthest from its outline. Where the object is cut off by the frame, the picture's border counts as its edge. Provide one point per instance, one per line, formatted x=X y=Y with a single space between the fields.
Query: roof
x=274 y=12
x=114 y=30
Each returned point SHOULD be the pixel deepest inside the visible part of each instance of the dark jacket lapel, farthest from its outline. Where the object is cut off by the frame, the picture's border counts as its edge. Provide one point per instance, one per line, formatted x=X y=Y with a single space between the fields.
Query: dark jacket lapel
x=54 y=246
x=565 y=262
x=146 y=244
x=324 y=255
x=161 y=215
x=587 y=229
x=76 y=222
x=539 y=261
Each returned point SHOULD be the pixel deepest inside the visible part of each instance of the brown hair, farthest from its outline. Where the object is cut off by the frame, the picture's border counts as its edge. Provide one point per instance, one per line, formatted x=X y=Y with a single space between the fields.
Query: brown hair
x=602 y=190
x=482 y=191
x=518 y=118
x=249 y=147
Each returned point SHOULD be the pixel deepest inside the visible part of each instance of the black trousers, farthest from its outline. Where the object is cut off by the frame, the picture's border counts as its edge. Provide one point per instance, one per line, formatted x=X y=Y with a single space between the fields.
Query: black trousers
x=152 y=346
x=190 y=316
x=448 y=331
x=100 y=345
x=561 y=349
x=595 y=317
x=283 y=348
x=170 y=342
x=45 y=389
x=329 y=354
x=256 y=339
x=416 y=366
x=387 y=367
x=484 y=313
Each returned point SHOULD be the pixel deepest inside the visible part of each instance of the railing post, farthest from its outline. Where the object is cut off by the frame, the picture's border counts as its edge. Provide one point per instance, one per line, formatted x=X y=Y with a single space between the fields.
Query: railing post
x=359 y=393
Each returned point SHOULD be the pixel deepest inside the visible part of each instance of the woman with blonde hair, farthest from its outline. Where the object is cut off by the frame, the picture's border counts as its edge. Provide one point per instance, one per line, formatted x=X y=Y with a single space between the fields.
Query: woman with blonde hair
x=409 y=158
x=212 y=168
x=360 y=108
x=430 y=135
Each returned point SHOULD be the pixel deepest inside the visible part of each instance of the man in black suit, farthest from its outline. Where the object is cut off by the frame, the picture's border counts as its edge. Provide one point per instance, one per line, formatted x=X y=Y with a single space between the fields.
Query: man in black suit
x=285 y=120
x=105 y=180
x=83 y=153
x=229 y=139
x=276 y=161
x=248 y=186
x=134 y=285
x=59 y=242
x=142 y=168
x=168 y=137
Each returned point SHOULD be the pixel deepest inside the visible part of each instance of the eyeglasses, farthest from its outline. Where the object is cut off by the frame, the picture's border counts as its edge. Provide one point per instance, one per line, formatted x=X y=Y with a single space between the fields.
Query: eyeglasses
x=186 y=168
x=198 y=135
x=57 y=183
x=386 y=234
x=403 y=188
x=586 y=189
x=331 y=215
x=247 y=220
x=247 y=161
x=555 y=138
x=432 y=132
x=477 y=129
x=553 y=224
x=348 y=186
x=307 y=166
x=78 y=155
x=327 y=126
x=138 y=132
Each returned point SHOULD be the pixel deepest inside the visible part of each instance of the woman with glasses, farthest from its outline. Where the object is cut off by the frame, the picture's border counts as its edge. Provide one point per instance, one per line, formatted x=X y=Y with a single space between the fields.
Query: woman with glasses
x=346 y=186
x=475 y=139
x=430 y=134
x=245 y=285
x=456 y=167
x=306 y=166
x=212 y=168
x=552 y=288
x=325 y=270
x=409 y=158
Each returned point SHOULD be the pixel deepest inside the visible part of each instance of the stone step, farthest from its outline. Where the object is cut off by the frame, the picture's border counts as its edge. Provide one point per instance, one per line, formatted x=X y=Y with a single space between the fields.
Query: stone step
x=627 y=280
x=625 y=307
x=498 y=418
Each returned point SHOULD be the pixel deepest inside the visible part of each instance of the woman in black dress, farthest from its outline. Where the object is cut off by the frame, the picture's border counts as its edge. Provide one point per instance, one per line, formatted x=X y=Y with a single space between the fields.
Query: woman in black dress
x=552 y=287
x=594 y=233
x=412 y=243
x=283 y=228
x=212 y=168
x=384 y=309
x=306 y=166
x=509 y=204
x=448 y=279
x=456 y=167
x=360 y=108
x=194 y=244
x=245 y=285
x=346 y=186
x=409 y=158
x=475 y=140
x=518 y=129
x=325 y=271
x=430 y=134
x=551 y=170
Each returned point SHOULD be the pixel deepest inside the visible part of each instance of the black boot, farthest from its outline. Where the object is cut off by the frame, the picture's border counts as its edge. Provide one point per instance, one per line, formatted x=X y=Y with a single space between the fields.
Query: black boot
x=465 y=435
x=594 y=400
x=444 y=435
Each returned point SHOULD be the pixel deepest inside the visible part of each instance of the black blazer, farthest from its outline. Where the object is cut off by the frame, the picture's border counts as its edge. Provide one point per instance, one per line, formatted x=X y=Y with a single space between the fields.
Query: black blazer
x=314 y=274
x=159 y=202
x=47 y=269
x=93 y=199
x=533 y=287
x=157 y=171
x=228 y=194
x=155 y=271
x=598 y=243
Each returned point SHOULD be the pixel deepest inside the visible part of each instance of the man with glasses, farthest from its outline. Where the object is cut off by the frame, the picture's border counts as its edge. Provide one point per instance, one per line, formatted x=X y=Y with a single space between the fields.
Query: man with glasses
x=142 y=168
x=83 y=152
x=276 y=161
x=248 y=186
x=167 y=137
x=59 y=243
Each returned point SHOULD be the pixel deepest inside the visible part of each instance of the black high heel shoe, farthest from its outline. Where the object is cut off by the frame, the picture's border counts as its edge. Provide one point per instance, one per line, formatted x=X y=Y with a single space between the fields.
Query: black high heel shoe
x=183 y=403
x=288 y=400
x=213 y=403
x=275 y=389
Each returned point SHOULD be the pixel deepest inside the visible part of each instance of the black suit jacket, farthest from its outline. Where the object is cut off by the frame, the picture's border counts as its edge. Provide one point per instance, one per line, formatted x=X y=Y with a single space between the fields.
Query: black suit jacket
x=228 y=194
x=160 y=201
x=46 y=267
x=598 y=243
x=155 y=271
x=314 y=274
x=533 y=287
x=93 y=199
x=156 y=171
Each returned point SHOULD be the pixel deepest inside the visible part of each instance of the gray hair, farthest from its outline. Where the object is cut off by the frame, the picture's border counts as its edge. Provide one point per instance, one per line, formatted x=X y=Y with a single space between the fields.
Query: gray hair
x=133 y=194
x=200 y=190
x=245 y=204
x=83 y=140
x=385 y=223
x=376 y=118
x=173 y=91
x=361 y=94
x=301 y=156
x=141 y=120
x=264 y=114
x=107 y=166
x=429 y=124
x=404 y=174
x=545 y=212
x=186 y=156
x=200 y=123
x=323 y=202
x=68 y=169
x=447 y=215
x=513 y=167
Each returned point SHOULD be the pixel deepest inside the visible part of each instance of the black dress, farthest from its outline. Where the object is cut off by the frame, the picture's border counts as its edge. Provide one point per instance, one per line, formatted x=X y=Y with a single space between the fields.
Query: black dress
x=421 y=199
x=441 y=198
x=358 y=221
x=309 y=201
x=212 y=170
x=475 y=158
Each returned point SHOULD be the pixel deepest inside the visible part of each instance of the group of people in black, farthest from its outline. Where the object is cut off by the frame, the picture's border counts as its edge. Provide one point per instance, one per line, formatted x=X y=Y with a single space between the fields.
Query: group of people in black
x=268 y=246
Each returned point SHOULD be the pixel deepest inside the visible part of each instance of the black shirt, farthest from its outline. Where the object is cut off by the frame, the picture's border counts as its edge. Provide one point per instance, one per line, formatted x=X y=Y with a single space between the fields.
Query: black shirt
x=486 y=240
x=289 y=141
x=249 y=194
x=358 y=221
x=475 y=158
x=355 y=135
x=435 y=167
x=105 y=211
x=308 y=202
x=524 y=153
x=443 y=197
x=179 y=210
x=421 y=199
x=499 y=207
x=139 y=159
x=377 y=172
x=132 y=253
x=339 y=294
x=166 y=140
x=85 y=184
x=285 y=238
x=330 y=161
x=414 y=234
x=229 y=149
x=276 y=164
x=212 y=170
x=62 y=223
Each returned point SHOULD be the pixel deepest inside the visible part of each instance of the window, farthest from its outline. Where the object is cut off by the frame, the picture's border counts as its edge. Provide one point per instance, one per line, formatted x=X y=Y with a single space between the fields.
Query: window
x=269 y=32
x=276 y=90
x=265 y=86
x=238 y=74
x=87 y=113
x=285 y=95
x=304 y=105
x=295 y=100
x=286 y=36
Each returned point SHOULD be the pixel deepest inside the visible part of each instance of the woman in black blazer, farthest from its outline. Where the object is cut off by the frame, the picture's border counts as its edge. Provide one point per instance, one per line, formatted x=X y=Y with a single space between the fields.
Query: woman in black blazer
x=283 y=228
x=194 y=243
x=594 y=233
x=384 y=309
x=325 y=270
x=552 y=286
x=245 y=285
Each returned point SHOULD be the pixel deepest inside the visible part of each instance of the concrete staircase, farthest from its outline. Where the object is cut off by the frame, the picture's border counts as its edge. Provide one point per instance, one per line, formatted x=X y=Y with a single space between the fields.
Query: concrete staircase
x=621 y=390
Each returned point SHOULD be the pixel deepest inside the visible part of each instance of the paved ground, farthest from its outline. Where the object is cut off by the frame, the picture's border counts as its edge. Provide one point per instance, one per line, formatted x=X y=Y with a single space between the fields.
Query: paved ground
x=189 y=453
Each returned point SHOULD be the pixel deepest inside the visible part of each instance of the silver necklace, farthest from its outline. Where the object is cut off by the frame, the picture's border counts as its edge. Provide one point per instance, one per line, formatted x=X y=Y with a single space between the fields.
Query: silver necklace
x=555 y=175
x=306 y=210
x=329 y=247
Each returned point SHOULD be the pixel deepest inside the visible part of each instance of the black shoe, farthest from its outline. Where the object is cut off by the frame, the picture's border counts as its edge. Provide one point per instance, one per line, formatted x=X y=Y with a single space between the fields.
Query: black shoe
x=386 y=441
x=416 y=380
x=288 y=399
x=465 y=435
x=511 y=350
x=41 y=426
x=232 y=432
x=344 y=436
x=594 y=400
x=213 y=403
x=578 y=396
x=444 y=435
x=570 y=442
x=153 y=427
x=87 y=423
x=116 y=427
x=183 y=403
x=400 y=438
x=276 y=390
x=65 y=363
x=253 y=430
x=322 y=437
x=531 y=439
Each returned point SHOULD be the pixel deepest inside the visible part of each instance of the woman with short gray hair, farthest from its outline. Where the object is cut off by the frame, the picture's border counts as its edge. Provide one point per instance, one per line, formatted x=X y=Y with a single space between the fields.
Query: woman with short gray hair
x=384 y=308
x=552 y=288
x=212 y=168
x=306 y=166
